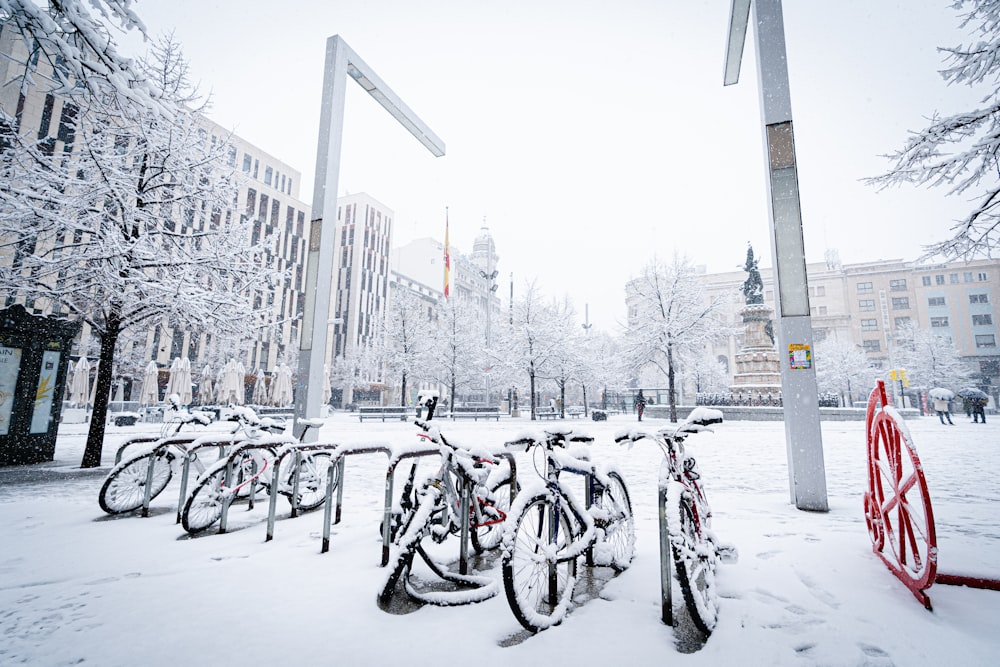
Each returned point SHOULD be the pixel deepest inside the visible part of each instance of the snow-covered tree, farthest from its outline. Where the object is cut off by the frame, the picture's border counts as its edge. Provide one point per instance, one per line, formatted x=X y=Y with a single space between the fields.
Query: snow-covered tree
x=457 y=350
x=527 y=344
x=130 y=224
x=565 y=362
x=409 y=339
x=959 y=152
x=705 y=371
x=69 y=46
x=842 y=368
x=930 y=359
x=672 y=316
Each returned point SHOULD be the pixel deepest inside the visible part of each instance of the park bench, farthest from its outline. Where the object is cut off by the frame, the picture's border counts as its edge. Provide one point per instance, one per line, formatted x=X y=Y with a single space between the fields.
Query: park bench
x=546 y=413
x=384 y=412
x=575 y=411
x=475 y=412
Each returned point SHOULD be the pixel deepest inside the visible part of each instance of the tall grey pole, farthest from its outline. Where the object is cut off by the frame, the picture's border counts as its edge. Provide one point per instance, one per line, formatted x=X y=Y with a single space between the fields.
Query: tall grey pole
x=341 y=61
x=800 y=400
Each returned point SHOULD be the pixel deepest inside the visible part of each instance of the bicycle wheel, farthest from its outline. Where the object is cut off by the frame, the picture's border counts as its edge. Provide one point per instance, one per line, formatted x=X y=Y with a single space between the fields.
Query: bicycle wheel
x=615 y=545
x=125 y=485
x=203 y=506
x=313 y=469
x=537 y=574
x=695 y=561
x=415 y=523
x=487 y=529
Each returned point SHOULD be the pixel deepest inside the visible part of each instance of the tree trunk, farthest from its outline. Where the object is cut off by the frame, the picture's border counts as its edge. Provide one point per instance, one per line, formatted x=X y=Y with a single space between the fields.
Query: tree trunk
x=562 y=400
x=670 y=384
x=586 y=409
x=402 y=392
x=99 y=416
x=531 y=377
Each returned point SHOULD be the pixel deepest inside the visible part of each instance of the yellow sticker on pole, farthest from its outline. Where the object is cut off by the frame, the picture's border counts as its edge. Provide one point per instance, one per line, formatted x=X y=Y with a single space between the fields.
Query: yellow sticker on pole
x=799 y=357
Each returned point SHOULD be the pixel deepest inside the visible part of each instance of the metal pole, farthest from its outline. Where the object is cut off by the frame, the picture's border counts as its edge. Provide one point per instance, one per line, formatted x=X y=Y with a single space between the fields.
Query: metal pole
x=803 y=438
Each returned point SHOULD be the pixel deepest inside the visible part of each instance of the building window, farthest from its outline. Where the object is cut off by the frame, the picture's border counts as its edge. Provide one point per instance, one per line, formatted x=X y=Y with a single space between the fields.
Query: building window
x=938 y=322
x=869 y=325
x=247 y=162
x=872 y=346
x=267 y=175
x=982 y=320
x=900 y=303
x=819 y=290
x=817 y=310
x=926 y=280
x=256 y=166
x=967 y=277
x=231 y=156
x=897 y=285
x=979 y=298
x=865 y=288
x=866 y=305
x=986 y=340
x=953 y=278
x=935 y=301
x=902 y=322
x=939 y=280
x=982 y=277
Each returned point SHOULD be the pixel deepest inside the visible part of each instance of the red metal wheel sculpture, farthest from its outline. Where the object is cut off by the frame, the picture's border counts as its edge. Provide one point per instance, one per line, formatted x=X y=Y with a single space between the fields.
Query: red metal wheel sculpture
x=897 y=505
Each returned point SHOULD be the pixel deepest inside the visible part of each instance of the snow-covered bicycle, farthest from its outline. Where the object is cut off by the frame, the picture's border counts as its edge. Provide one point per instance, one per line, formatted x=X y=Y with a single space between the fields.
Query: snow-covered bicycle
x=686 y=537
x=549 y=529
x=140 y=477
x=469 y=494
x=241 y=474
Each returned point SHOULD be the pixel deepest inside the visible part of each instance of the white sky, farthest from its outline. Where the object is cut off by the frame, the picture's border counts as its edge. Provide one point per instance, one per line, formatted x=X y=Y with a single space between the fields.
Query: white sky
x=584 y=130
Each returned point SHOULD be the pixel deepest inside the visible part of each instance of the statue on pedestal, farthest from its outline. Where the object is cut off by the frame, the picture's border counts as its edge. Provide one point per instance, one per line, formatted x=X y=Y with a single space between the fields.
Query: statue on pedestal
x=753 y=288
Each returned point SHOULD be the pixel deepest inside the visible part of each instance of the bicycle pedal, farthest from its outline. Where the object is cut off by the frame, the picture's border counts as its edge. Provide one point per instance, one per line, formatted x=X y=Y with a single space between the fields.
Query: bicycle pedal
x=728 y=553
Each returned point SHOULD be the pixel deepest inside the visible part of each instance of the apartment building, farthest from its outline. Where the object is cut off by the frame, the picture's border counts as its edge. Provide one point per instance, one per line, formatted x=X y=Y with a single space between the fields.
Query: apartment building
x=267 y=196
x=867 y=304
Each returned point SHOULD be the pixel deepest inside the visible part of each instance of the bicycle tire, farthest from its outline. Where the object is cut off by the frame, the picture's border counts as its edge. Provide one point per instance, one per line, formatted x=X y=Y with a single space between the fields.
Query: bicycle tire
x=539 y=587
x=313 y=469
x=203 y=506
x=615 y=545
x=488 y=537
x=125 y=485
x=695 y=561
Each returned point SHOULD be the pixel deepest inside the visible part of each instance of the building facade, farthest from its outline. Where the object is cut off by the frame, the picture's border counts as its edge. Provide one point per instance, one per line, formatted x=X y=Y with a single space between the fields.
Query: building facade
x=267 y=196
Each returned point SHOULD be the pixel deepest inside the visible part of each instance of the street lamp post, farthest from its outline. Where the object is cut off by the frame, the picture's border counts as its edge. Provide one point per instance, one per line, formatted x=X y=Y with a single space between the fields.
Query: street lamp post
x=491 y=288
x=803 y=438
x=341 y=62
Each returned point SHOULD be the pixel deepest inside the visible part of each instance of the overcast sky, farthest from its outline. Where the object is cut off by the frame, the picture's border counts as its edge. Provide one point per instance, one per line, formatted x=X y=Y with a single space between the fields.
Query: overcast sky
x=591 y=135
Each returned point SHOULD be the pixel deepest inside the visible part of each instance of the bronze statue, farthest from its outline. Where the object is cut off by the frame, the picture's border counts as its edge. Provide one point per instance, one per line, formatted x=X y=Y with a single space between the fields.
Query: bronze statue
x=753 y=288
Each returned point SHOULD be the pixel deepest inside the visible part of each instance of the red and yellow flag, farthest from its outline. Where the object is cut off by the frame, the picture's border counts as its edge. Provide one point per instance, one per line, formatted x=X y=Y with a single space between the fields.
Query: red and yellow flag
x=447 y=257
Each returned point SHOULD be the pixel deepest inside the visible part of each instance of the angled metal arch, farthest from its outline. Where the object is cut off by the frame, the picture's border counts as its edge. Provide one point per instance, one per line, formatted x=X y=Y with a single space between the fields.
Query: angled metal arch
x=341 y=62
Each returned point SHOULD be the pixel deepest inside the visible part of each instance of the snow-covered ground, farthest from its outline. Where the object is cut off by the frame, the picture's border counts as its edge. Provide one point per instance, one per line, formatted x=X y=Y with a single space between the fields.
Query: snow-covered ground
x=78 y=587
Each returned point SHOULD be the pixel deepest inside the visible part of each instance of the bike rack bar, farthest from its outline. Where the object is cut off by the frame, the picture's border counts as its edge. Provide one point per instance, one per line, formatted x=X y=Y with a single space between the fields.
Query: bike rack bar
x=137 y=440
x=338 y=467
x=192 y=454
x=227 y=498
x=666 y=563
x=296 y=452
x=163 y=443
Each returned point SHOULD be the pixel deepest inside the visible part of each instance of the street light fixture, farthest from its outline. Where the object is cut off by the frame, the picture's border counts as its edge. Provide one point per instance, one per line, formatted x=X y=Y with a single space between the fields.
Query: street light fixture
x=341 y=61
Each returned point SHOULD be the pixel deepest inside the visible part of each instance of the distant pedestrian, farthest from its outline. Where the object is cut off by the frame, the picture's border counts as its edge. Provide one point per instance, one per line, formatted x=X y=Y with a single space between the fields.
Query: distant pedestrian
x=967 y=406
x=943 y=409
x=639 y=402
x=979 y=409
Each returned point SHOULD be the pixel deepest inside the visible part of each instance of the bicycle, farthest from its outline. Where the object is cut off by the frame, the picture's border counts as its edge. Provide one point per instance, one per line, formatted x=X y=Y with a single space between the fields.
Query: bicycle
x=468 y=495
x=151 y=469
x=550 y=529
x=686 y=537
x=241 y=474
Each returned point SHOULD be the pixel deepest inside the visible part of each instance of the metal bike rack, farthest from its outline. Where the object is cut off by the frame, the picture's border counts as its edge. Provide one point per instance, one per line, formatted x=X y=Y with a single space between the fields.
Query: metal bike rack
x=268 y=443
x=138 y=440
x=163 y=443
x=192 y=454
x=296 y=452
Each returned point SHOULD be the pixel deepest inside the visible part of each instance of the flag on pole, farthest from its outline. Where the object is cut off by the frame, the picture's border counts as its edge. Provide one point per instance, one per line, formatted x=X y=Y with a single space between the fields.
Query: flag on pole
x=447 y=256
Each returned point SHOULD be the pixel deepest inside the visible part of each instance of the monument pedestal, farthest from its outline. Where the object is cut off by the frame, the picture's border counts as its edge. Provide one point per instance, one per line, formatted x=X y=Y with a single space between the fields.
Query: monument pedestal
x=758 y=367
